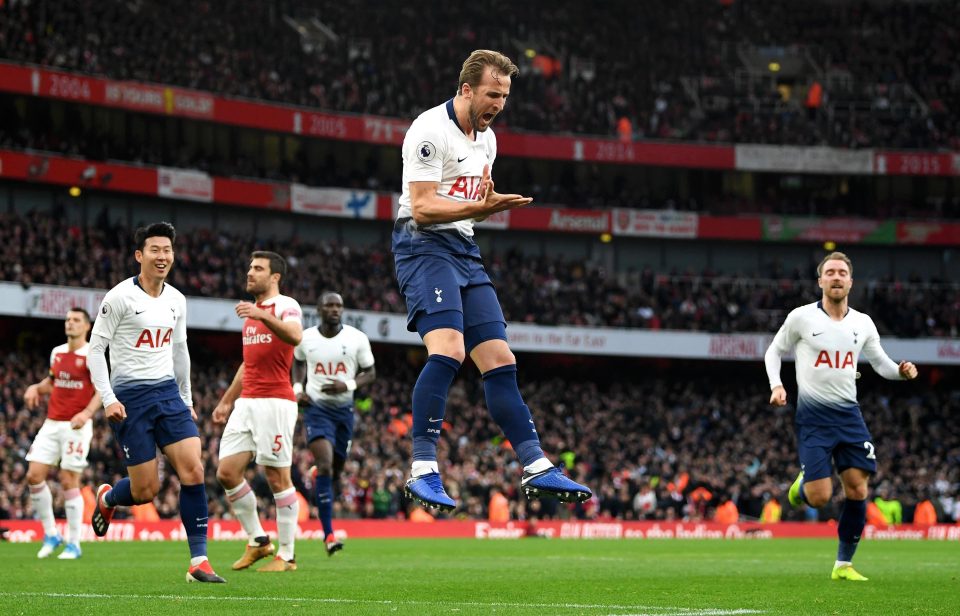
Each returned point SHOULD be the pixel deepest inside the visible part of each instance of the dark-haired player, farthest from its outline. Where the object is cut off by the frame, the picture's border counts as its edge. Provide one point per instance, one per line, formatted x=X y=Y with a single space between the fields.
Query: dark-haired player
x=146 y=392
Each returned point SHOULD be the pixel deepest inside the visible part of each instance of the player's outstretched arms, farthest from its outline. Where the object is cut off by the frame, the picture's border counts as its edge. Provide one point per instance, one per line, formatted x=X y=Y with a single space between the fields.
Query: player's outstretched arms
x=429 y=208
x=116 y=412
x=907 y=370
x=778 y=397
x=493 y=201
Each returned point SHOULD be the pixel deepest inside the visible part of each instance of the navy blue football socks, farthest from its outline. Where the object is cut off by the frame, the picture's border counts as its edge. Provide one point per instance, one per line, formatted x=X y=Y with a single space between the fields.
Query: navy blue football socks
x=511 y=414
x=430 y=403
x=853 y=517
x=325 y=503
x=120 y=494
x=193 y=514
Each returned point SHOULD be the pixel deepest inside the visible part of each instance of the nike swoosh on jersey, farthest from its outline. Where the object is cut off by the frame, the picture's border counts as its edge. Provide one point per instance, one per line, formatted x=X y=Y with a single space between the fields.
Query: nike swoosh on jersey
x=460 y=160
x=816 y=333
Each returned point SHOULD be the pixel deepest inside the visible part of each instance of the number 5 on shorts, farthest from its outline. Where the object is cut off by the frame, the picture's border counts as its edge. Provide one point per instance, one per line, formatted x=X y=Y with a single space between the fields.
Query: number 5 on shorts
x=277 y=445
x=871 y=455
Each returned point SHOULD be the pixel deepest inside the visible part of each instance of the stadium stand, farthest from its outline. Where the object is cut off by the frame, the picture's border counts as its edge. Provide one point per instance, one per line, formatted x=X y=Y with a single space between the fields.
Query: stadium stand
x=556 y=184
x=655 y=441
x=41 y=248
x=696 y=441
x=846 y=74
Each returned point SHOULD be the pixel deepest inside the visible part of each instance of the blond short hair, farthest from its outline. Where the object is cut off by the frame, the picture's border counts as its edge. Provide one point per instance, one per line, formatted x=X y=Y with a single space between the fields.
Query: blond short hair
x=835 y=256
x=473 y=66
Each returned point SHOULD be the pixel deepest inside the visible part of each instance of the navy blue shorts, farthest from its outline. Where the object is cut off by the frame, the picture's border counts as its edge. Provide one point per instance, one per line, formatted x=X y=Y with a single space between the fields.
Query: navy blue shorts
x=156 y=417
x=434 y=283
x=333 y=424
x=846 y=446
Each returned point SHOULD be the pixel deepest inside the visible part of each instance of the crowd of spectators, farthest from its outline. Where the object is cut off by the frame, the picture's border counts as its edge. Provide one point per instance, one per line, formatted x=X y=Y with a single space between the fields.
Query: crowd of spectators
x=548 y=290
x=886 y=71
x=98 y=144
x=672 y=445
x=629 y=73
x=662 y=444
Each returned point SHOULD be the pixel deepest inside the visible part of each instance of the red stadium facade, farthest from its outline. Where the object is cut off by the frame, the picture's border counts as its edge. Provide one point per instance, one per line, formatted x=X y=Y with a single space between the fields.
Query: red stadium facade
x=189 y=185
x=193 y=104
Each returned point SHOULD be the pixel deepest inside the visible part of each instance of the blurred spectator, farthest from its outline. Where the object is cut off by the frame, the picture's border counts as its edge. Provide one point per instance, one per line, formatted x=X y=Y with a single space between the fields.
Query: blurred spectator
x=42 y=248
x=655 y=446
x=673 y=70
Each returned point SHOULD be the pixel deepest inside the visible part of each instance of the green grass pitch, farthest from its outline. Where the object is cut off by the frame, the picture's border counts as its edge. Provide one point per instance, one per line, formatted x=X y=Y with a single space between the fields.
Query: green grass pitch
x=466 y=576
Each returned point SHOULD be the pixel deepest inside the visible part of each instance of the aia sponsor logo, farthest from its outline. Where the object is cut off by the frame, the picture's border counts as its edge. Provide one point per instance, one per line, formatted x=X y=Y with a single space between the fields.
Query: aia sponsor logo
x=834 y=361
x=466 y=187
x=154 y=338
x=330 y=369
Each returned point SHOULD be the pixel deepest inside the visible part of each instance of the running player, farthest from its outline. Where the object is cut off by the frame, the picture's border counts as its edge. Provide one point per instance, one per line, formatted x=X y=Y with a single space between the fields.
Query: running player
x=146 y=392
x=828 y=337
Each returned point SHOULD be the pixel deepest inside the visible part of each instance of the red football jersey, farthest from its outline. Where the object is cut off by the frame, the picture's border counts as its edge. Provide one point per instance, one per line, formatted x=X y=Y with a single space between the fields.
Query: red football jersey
x=267 y=359
x=72 y=387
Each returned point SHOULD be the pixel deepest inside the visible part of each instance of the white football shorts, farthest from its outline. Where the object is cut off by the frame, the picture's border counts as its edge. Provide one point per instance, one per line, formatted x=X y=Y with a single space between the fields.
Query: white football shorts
x=58 y=443
x=263 y=426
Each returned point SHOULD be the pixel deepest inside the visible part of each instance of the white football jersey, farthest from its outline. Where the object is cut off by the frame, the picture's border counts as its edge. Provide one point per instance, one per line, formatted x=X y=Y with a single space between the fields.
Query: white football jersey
x=436 y=150
x=141 y=330
x=827 y=354
x=333 y=359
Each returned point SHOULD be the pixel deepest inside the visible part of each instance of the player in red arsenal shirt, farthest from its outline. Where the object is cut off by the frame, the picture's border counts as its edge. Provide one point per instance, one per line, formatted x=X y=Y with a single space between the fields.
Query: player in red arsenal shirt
x=65 y=436
x=260 y=412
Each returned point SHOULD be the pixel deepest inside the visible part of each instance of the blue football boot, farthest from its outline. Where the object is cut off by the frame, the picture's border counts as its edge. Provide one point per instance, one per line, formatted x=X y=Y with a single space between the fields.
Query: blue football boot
x=428 y=491
x=552 y=482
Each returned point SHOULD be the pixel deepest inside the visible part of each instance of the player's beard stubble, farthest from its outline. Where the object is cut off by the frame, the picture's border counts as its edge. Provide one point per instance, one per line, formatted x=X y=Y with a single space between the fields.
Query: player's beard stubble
x=256 y=289
x=475 y=119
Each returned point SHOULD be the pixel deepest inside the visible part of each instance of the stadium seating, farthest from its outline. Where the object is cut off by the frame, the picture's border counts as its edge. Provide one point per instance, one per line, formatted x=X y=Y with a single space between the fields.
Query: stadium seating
x=684 y=437
x=614 y=188
x=652 y=439
x=683 y=70
x=41 y=248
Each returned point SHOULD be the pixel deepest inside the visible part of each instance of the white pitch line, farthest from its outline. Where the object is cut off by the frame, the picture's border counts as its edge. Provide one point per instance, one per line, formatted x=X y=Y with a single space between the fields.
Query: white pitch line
x=659 y=610
x=696 y=612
